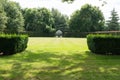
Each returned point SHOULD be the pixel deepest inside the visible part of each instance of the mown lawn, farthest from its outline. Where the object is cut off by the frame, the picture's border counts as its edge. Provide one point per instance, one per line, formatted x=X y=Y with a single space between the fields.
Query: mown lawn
x=59 y=59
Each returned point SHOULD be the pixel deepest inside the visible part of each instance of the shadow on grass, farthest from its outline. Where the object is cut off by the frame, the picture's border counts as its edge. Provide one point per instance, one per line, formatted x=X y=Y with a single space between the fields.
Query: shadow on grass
x=43 y=65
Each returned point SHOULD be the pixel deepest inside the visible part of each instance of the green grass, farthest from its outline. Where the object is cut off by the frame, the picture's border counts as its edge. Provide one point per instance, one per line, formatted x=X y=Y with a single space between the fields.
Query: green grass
x=59 y=59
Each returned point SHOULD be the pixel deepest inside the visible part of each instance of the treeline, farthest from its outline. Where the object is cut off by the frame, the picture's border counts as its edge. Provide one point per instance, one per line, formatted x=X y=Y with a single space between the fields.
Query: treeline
x=44 y=22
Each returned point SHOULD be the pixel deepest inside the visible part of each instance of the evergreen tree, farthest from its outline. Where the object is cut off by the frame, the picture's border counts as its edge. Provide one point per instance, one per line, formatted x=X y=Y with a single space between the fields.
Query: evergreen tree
x=113 y=23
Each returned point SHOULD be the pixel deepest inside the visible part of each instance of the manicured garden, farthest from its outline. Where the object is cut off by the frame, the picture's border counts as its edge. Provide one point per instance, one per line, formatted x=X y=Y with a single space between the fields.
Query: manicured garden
x=59 y=59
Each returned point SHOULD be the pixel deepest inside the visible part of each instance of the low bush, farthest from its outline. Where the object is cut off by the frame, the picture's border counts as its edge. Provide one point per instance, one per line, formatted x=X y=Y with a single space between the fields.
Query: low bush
x=103 y=43
x=11 y=43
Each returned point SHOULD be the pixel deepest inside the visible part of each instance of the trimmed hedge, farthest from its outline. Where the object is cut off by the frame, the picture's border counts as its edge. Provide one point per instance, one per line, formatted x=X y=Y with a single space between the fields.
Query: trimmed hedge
x=75 y=34
x=39 y=34
x=103 y=43
x=12 y=43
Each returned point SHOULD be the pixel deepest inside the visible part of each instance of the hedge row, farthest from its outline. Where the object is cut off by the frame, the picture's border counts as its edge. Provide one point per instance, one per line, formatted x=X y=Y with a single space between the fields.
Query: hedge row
x=11 y=44
x=104 y=44
x=39 y=34
x=75 y=34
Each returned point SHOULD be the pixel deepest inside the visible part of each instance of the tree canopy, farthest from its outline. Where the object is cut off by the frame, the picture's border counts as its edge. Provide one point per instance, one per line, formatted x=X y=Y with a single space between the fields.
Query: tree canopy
x=15 y=19
x=3 y=18
x=60 y=20
x=37 y=19
x=87 y=19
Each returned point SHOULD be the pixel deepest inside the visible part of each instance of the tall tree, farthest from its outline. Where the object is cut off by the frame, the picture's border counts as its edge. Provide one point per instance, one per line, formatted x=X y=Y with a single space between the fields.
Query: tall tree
x=60 y=20
x=113 y=23
x=3 y=18
x=37 y=19
x=15 y=19
x=88 y=19
x=32 y=21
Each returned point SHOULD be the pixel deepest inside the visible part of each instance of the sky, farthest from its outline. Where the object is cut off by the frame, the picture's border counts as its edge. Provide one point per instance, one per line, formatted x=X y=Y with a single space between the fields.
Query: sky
x=68 y=9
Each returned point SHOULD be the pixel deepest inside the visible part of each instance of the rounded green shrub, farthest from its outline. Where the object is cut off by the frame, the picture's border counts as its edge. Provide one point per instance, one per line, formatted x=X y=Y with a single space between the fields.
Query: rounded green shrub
x=104 y=43
x=12 y=43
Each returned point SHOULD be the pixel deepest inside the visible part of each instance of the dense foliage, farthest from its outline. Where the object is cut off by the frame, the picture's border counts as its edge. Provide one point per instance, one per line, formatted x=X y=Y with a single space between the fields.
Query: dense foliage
x=60 y=20
x=104 y=44
x=15 y=19
x=11 y=44
x=87 y=19
x=3 y=18
x=37 y=19
x=44 y=21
